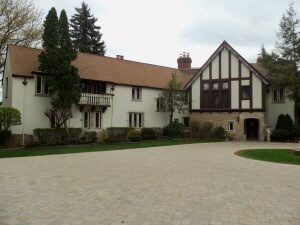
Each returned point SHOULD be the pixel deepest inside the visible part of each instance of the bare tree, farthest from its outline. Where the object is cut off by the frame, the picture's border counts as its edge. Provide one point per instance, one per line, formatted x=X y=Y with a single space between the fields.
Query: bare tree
x=20 y=23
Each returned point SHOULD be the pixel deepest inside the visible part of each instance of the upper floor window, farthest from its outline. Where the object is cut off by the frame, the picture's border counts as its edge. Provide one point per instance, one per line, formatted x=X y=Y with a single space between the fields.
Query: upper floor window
x=278 y=95
x=136 y=93
x=136 y=120
x=41 y=86
x=160 y=104
x=246 y=92
x=93 y=87
x=215 y=95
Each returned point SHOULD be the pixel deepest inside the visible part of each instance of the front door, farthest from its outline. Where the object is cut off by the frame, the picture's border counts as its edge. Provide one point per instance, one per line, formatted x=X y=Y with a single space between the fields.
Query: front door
x=251 y=127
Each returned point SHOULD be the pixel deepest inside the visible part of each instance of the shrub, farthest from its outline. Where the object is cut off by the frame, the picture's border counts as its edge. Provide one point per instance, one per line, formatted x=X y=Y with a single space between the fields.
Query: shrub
x=284 y=122
x=4 y=136
x=280 y=135
x=148 y=134
x=9 y=117
x=219 y=132
x=135 y=136
x=118 y=133
x=201 y=129
x=88 y=137
x=52 y=136
x=295 y=133
x=172 y=130
x=103 y=136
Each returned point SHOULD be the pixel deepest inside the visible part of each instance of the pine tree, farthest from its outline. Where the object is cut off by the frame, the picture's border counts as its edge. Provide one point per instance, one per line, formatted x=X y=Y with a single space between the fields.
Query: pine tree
x=49 y=57
x=283 y=64
x=85 y=33
x=55 y=62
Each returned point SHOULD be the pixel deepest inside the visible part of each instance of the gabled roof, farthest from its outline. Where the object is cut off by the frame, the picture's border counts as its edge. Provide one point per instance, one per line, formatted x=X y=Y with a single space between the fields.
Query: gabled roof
x=236 y=54
x=24 y=62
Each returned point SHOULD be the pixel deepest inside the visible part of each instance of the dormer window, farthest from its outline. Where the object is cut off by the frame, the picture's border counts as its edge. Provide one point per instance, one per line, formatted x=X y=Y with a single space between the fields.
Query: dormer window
x=136 y=93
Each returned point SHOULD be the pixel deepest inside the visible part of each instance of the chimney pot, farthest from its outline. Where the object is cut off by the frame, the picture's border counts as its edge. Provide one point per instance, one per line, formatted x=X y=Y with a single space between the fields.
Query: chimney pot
x=119 y=56
x=184 y=61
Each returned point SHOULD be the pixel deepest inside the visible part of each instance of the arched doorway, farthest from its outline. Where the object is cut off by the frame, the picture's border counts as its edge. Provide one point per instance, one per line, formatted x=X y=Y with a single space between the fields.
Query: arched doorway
x=251 y=128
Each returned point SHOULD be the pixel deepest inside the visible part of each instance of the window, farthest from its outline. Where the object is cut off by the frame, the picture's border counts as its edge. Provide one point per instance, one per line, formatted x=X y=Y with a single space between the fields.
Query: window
x=246 y=93
x=160 y=104
x=231 y=127
x=136 y=120
x=186 y=121
x=278 y=95
x=42 y=88
x=86 y=119
x=206 y=86
x=136 y=93
x=93 y=87
x=98 y=119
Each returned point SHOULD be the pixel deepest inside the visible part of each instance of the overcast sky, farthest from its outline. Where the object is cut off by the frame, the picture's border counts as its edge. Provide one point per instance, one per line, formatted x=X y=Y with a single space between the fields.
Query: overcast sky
x=157 y=31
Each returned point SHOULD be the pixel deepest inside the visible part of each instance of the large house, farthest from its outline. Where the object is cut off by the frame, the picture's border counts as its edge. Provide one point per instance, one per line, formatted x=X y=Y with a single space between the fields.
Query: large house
x=227 y=90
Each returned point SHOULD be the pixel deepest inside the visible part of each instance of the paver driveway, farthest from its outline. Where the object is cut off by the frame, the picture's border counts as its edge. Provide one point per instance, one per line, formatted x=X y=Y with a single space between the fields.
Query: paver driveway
x=185 y=185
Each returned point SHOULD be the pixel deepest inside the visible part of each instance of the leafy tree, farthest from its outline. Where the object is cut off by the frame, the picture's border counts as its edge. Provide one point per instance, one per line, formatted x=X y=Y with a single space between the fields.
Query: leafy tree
x=173 y=96
x=283 y=64
x=85 y=33
x=55 y=62
x=9 y=117
x=20 y=23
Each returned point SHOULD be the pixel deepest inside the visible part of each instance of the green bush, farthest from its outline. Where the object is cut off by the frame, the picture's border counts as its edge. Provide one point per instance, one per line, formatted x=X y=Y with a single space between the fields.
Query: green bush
x=280 y=135
x=295 y=133
x=172 y=130
x=117 y=133
x=88 y=137
x=9 y=117
x=148 y=134
x=200 y=129
x=284 y=122
x=219 y=132
x=53 y=136
x=135 y=136
x=4 y=136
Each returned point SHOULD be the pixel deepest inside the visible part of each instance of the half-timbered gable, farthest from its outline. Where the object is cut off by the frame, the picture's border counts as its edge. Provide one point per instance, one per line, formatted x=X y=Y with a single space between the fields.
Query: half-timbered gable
x=227 y=82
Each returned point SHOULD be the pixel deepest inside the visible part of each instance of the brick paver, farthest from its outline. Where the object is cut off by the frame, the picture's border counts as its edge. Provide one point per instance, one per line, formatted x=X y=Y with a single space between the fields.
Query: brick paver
x=198 y=184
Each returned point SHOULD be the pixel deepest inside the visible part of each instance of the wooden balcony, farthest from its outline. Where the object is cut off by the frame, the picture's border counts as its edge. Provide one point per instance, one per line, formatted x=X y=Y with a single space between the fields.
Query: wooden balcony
x=95 y=99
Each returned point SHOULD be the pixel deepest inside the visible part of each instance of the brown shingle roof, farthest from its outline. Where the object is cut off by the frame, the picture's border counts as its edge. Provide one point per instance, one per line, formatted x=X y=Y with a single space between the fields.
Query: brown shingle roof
x=24 y=61
x=261 y=69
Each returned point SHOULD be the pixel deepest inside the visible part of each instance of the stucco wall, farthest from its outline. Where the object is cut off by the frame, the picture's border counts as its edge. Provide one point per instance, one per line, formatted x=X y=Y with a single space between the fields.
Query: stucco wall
x=32 y=108
x=275 y=109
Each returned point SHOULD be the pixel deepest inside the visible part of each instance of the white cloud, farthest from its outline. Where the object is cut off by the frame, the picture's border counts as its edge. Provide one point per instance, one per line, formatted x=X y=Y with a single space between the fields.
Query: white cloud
x=157 y=31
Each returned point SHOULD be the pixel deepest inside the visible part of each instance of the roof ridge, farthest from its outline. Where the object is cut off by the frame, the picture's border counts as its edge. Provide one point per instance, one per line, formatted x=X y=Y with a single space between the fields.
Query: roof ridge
x=96 y=55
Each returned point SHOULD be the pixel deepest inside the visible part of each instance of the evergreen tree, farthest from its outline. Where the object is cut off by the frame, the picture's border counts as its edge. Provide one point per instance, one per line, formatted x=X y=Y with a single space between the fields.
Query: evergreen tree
x=55 y=62
x=283 y=64
x=85 y=33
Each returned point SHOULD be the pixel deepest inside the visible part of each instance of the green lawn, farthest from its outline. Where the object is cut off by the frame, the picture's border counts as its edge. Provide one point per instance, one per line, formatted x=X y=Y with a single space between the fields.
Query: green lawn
x=50 y=150
x=272 y=155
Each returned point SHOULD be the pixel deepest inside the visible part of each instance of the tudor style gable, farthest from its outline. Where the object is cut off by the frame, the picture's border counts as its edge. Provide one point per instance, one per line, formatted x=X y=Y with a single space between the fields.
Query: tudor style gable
x=227 y=82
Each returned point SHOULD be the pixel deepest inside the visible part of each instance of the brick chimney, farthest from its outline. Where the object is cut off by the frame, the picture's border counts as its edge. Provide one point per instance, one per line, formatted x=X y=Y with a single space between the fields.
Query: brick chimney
x=184 y=61
x=119 y=56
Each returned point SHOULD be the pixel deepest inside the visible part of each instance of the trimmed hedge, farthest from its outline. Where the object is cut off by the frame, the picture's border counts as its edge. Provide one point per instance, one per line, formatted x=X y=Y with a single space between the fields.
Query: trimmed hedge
x=88 y=137
x=280 y=135
x=4 y=136
x=53 y=136
x=148 y=134
x=135 y=136
x=219 y=132
x=118 y=133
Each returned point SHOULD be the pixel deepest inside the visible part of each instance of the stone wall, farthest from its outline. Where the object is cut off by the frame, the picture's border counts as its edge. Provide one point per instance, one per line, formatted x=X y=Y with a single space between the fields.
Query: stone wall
x=222 y=119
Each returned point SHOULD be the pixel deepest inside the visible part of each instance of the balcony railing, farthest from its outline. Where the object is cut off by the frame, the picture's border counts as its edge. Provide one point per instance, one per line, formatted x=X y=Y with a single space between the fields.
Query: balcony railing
x=95 y=99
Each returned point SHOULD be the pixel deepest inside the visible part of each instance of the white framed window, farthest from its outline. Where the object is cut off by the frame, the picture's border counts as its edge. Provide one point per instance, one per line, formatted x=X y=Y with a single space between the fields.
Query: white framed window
x=41 y=86
x=136 y=120
x=136 y=93
x=160 y=104
x=98 y=120
x=278 y=95
x=86 y=119
x=231 y=126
